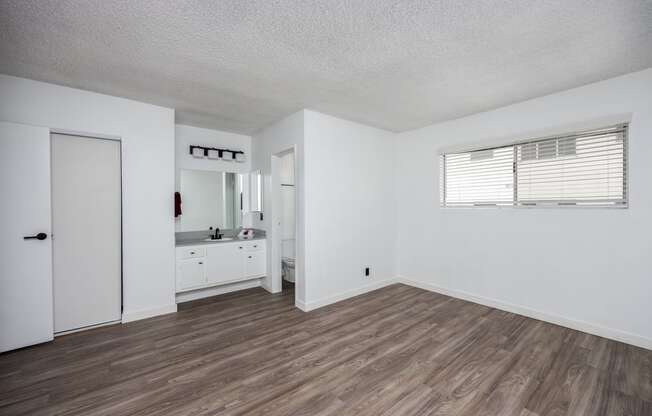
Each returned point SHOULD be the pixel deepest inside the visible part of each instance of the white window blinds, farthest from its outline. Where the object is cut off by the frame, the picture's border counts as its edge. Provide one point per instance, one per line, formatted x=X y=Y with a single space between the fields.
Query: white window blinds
x=483 y=177
x=579 y=169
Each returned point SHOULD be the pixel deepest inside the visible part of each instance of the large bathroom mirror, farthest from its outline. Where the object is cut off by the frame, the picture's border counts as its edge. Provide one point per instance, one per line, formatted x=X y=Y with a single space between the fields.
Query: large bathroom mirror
x=210 y=199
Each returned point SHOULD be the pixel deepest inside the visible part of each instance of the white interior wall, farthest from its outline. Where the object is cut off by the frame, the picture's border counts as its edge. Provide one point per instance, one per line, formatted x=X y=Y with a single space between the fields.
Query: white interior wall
x=147 y=135
x=189 y=135
x=584 y=268
x=287 y=169
x=288 y=201
x=350 y=208
x=346 y=206
x=273 y=140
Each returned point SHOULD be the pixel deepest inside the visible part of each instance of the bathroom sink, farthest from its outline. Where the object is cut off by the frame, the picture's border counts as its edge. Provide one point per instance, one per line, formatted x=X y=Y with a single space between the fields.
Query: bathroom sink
x=219 y=239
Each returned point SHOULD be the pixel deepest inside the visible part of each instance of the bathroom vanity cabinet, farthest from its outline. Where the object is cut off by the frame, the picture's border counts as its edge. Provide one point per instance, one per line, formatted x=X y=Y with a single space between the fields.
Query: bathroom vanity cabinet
x=213 y=264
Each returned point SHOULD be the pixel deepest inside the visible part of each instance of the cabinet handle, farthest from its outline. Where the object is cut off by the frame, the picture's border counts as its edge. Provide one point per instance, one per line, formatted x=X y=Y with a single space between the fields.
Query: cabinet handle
x=249 y=256
x=240 y=248
x=255 y=246
x=201 y=262
x=192 y=252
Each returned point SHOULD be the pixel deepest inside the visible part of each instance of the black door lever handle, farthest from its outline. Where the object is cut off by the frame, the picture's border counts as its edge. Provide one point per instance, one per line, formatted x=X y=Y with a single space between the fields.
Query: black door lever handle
x=39 y=236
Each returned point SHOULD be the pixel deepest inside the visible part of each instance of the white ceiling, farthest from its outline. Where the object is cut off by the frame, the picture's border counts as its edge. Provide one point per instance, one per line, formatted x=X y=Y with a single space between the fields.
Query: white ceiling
x=240 y=65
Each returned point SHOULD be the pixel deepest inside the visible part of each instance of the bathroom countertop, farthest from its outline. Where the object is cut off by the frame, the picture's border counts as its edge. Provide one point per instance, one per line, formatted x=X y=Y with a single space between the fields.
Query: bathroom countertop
x=185 y=243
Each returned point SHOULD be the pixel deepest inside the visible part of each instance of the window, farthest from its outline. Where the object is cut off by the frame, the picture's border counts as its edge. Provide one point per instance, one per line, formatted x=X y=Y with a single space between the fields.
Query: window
x=580 y=169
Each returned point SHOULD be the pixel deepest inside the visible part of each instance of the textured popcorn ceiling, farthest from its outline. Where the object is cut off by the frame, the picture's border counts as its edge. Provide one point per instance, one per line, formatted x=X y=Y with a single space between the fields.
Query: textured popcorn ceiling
x=240 y=65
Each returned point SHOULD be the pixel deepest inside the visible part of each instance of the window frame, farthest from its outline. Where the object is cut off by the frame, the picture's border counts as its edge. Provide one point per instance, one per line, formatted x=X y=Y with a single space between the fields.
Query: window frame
x=620 y=128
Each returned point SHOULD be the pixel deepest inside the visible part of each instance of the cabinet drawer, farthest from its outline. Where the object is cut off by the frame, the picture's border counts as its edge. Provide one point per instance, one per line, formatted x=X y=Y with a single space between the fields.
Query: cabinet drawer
x=255 y=245
x=190 y=252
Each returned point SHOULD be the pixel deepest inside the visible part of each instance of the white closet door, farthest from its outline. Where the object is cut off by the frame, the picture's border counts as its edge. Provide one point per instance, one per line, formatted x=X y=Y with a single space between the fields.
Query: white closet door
x=86 y=222
x=25 y=264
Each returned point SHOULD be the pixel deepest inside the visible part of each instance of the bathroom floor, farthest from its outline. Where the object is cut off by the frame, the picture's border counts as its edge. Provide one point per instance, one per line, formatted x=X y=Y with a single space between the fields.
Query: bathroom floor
x=287 y=285
x=395 y=351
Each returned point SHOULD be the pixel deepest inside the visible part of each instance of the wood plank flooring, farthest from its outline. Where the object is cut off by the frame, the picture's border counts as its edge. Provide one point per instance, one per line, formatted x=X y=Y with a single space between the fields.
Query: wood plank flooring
x=395 y=351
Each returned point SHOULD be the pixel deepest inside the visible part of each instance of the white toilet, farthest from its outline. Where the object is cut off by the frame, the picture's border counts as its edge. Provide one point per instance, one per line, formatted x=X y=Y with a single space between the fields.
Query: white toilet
x=287 y=260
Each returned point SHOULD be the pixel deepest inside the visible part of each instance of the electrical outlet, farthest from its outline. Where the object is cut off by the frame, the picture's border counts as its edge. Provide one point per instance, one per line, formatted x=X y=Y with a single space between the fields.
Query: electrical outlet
x=367 y=271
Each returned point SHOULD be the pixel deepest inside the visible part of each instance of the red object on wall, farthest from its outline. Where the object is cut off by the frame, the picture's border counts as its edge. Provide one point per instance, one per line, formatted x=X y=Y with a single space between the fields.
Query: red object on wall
x=177 y=204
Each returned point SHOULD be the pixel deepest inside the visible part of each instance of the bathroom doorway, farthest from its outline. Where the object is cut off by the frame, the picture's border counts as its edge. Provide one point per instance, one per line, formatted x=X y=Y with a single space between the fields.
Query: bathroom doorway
x=287 y=229
x=285 y=261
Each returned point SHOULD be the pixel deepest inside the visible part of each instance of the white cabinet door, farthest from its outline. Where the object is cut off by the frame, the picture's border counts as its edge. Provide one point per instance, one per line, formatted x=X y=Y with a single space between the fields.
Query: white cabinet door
x=225 y=262
x=255 y=263
x=190 y=273
x=25 y=264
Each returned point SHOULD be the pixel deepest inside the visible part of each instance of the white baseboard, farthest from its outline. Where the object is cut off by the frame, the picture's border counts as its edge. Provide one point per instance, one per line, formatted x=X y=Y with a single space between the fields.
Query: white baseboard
x=316 y=304
x=268 y=287
x=148 y=313
x=217 y=290
x=86 y=328
x=578 y=325
x=300 y=304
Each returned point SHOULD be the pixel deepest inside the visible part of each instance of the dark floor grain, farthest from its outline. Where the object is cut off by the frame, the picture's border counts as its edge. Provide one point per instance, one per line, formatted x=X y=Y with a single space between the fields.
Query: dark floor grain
x=395 y=351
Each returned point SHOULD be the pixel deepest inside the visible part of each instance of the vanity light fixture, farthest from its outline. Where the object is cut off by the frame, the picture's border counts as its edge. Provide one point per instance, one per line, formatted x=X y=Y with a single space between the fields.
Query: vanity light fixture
x=227 y=155
x=197 y=152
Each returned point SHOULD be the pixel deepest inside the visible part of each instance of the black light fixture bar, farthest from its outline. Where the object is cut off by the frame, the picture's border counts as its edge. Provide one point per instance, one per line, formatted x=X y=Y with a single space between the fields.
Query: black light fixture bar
x=206 y=149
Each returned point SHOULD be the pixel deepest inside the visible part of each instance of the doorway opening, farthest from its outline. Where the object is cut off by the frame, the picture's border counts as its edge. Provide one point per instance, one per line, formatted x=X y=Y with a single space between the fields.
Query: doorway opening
x=284 y=258
x=288 y=220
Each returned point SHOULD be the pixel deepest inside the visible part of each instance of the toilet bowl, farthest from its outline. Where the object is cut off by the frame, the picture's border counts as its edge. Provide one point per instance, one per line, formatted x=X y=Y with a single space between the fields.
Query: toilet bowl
x=287 y=259
x=288 y=269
